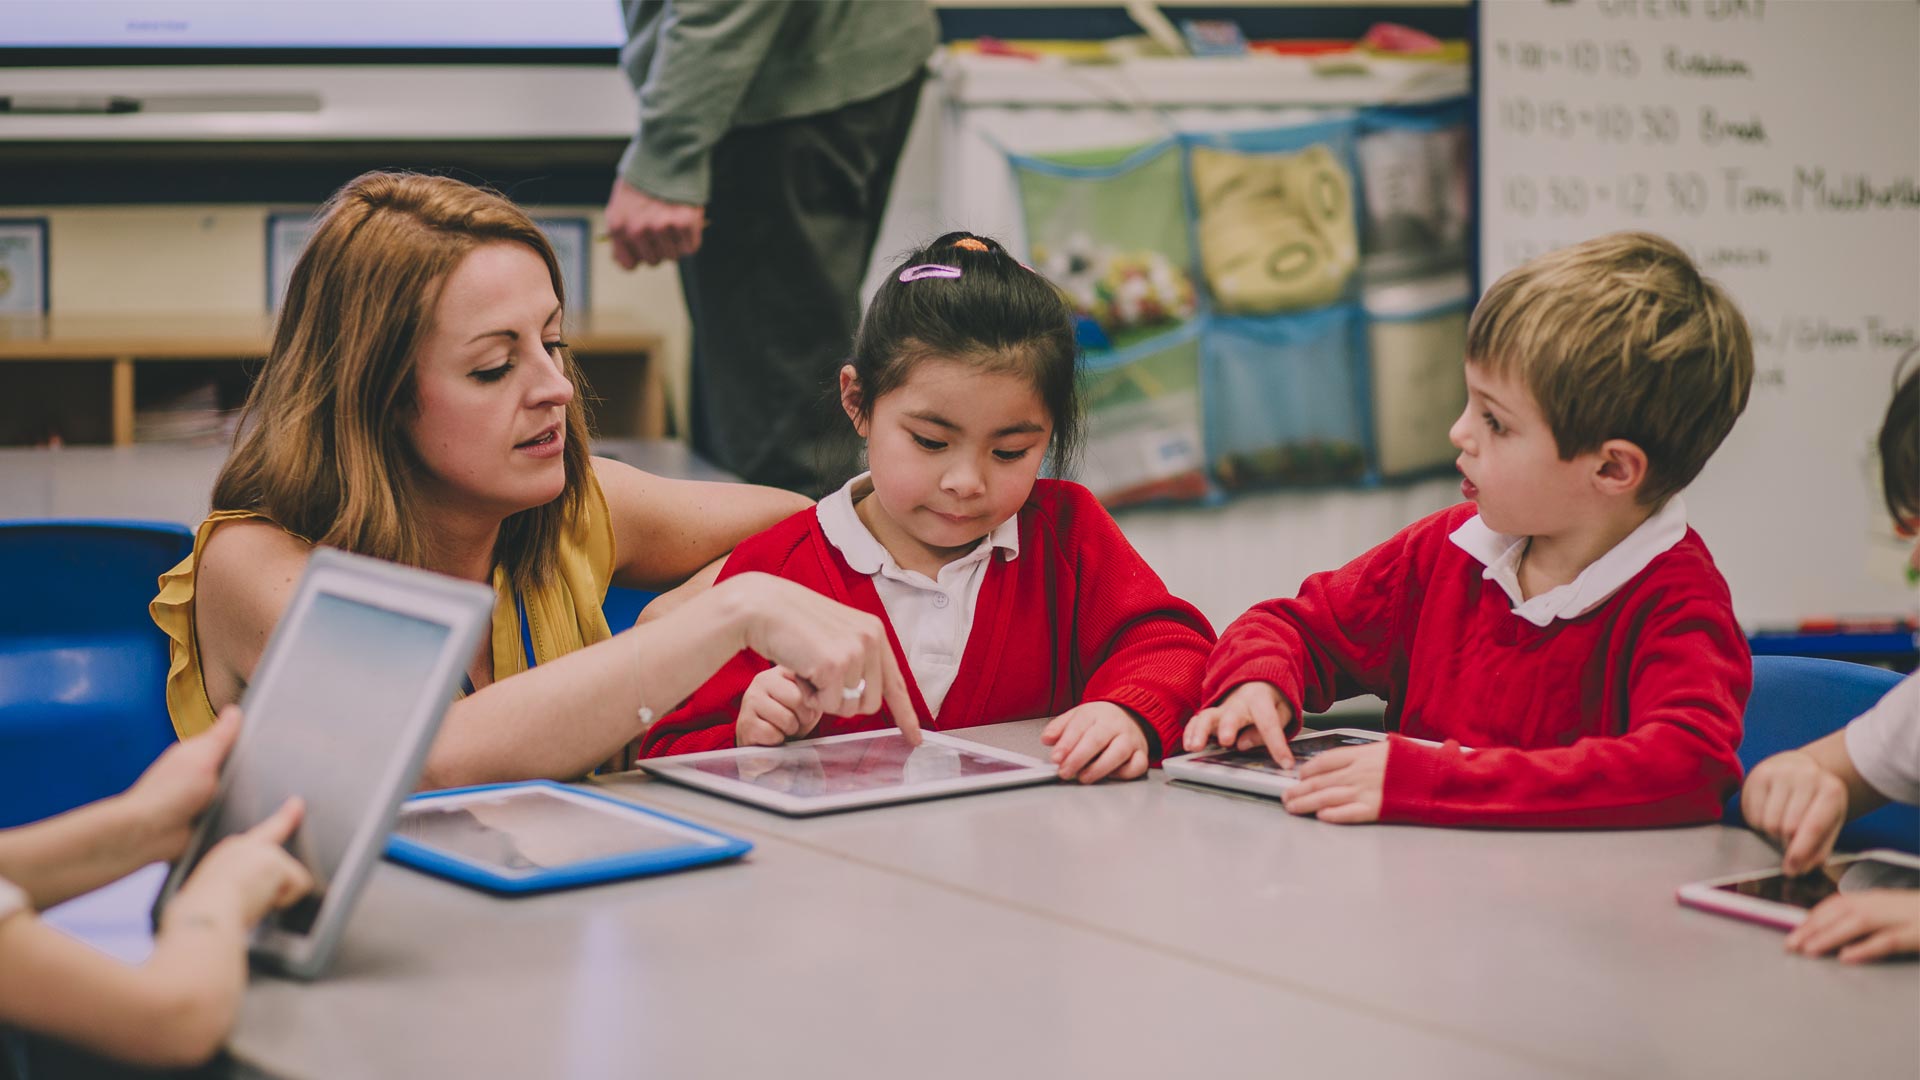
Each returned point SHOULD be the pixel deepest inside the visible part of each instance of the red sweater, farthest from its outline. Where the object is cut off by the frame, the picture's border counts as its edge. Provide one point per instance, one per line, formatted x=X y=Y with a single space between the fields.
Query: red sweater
x=1626 y=715
x=1078 y=616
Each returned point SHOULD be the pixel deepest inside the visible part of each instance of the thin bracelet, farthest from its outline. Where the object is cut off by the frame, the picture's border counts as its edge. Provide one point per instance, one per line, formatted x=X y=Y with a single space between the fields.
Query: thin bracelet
x=645 y=714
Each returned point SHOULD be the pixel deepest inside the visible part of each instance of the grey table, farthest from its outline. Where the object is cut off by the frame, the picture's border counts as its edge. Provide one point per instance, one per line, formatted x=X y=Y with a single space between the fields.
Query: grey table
x=1140 y=929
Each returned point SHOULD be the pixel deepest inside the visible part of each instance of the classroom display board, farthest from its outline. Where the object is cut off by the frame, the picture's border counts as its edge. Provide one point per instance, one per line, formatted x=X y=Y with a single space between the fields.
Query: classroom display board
x=1779 y=142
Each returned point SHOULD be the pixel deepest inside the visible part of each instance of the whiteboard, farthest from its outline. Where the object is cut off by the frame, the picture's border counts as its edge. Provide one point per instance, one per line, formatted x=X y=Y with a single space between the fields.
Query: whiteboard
x=1779 y=142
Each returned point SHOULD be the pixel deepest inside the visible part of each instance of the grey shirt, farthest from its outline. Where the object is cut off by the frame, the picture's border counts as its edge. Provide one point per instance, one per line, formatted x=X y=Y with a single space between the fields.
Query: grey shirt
x=701 y=67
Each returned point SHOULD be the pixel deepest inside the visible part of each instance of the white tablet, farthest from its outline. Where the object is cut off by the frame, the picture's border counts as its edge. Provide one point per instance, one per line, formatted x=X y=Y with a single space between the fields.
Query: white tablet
x=340 y=712
x=1254 y=771
x=1771 y=898
x=846 y=771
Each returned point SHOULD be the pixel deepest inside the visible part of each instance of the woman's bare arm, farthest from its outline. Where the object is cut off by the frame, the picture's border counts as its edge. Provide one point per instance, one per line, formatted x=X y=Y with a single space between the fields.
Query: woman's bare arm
x=665 y=531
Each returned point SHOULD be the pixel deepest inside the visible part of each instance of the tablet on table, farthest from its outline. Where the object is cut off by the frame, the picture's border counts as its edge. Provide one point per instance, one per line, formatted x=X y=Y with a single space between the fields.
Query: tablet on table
x=539 y=835
x=342 y=707
x=842 y=772
x=1254 y=770
x=1771 y=898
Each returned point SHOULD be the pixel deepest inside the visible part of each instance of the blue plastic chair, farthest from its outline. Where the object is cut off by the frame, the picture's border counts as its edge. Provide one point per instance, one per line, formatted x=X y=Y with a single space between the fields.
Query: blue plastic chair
x=1797 y=699
x=82 y=667
x=622 y=606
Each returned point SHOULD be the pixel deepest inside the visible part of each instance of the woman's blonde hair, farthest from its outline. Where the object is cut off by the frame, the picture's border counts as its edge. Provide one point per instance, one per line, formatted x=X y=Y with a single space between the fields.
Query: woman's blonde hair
x=321 y=449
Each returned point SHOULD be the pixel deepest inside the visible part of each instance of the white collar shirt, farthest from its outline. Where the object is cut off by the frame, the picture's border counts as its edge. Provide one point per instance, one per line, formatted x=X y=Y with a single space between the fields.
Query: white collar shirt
x=1500 y=555
x=932 y=617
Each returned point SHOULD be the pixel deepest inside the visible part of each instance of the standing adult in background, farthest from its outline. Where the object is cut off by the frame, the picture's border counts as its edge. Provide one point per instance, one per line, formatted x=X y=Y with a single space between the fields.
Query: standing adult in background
x=769 y=132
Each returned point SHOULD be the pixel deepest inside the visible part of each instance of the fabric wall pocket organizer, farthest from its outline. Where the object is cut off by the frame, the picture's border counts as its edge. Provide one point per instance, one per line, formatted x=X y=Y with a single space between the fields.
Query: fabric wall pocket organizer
x=1415 y=166
x=1109 y=227
x=1143 y=435
x=1416 y=338
x=1274 y=217
x=1285 y=399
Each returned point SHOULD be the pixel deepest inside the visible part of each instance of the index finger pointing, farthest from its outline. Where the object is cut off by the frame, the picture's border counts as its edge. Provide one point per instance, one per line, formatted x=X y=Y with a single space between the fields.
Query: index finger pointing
x=1266 y=720
x=284 y=820
x=900 y=703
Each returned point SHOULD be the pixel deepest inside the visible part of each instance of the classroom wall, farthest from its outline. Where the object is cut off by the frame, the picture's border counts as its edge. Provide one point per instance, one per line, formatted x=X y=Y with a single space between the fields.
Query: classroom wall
x=142 y=260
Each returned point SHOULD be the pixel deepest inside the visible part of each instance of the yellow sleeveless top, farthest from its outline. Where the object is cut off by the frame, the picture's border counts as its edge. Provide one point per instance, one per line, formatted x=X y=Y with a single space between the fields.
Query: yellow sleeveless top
x=563 y=614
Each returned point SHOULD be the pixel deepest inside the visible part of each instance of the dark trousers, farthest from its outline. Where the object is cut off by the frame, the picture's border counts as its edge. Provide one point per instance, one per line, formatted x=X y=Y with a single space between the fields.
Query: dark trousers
x=774 y=291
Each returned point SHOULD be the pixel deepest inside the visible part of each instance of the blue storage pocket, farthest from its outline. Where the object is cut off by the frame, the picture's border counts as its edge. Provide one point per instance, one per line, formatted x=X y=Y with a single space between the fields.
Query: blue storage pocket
x=1274 y=216
x=1143 y=434
x=1416 y=196
x=1285 y=399
x=1416 y=345
x=1109 y=229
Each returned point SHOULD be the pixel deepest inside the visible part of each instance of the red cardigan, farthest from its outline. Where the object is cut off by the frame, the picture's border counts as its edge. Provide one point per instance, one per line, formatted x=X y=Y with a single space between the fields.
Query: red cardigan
x=1078 y=616
x=1626 y=715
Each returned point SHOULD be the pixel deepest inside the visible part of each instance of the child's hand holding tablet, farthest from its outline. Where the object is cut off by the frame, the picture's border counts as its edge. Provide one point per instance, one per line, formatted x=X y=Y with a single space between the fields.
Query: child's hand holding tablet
x=1344 y=785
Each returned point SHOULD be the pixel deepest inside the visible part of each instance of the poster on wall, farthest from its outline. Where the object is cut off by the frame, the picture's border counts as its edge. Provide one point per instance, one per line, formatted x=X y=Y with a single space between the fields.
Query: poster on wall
x=287 y=235
x=23 y=266
x=568 y=235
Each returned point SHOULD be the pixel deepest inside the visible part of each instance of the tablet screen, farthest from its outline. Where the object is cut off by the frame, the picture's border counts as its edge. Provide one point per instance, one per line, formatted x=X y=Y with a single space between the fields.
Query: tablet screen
x=1850 y=875
x=324 y=724
x=526 y=830
x=1258 y=760
x=840 y=768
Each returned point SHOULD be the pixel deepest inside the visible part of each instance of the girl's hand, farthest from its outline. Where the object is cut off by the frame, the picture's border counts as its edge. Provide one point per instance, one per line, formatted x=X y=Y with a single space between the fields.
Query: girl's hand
x=1790 y=799
x=246 y=875
x=842 y=658
x=179 y=785
x=1344 y=786
x=1873 y=924
x=1096 y=740
x=774 y=710
x=1252 y=715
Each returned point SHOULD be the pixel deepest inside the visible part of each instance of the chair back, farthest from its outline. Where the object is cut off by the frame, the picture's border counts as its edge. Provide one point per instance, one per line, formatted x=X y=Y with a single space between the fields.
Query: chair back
x=1797 y=699
x=82 y=666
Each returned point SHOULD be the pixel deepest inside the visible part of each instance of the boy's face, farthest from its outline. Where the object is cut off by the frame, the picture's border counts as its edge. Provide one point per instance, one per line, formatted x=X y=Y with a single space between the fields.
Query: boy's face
x=1511 y=464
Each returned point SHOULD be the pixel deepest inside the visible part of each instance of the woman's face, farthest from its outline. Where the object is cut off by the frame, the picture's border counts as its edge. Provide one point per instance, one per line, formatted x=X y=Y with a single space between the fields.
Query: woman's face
x=492 y=392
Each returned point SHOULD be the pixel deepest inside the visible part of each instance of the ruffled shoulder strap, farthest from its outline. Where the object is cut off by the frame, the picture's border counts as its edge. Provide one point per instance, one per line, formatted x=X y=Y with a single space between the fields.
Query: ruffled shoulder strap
x=172 y=612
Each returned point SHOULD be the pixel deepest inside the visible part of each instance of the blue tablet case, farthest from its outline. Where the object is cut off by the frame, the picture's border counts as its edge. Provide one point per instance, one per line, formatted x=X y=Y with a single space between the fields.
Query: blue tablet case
x=440 y=863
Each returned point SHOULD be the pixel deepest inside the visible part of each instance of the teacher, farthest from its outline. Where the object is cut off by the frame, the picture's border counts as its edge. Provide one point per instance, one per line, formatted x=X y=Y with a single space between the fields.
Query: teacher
x=419 y=404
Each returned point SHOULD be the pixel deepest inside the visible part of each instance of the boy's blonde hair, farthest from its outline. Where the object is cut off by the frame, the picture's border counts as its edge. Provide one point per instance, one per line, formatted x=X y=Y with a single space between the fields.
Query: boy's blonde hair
x=321 y=449
x=1620 y=337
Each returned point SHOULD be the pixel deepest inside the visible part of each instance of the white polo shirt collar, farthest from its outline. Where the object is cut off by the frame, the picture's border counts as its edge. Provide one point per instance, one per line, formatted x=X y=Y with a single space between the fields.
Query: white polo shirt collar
x=844 y=530
x=1500 y=555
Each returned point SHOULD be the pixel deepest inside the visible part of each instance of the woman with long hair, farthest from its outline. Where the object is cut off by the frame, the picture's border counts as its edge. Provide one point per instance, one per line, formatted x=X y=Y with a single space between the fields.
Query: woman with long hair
x=420 y=404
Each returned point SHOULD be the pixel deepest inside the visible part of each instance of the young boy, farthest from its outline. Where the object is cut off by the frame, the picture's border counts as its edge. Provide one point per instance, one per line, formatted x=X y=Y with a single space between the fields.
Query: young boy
x=1563 y=635
x=1801 y=798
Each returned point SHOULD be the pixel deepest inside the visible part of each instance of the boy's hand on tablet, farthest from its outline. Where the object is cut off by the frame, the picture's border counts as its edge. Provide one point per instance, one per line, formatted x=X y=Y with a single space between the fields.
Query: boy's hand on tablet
x=1791 y=799
x=1872 y=924
x=1343 y=786
x=1252 y=715
x=1097 y=740
x=773 y=710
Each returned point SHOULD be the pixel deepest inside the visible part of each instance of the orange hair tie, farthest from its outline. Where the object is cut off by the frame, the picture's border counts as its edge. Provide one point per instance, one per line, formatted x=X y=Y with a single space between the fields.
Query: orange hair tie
x=970 y=244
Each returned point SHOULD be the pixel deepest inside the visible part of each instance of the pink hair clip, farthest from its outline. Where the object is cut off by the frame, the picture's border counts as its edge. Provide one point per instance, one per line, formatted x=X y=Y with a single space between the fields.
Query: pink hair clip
x=929 y=270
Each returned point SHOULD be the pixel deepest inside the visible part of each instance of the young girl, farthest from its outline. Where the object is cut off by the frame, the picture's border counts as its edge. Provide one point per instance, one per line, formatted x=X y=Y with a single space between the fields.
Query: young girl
x=1006 y=596
x=1802 y=798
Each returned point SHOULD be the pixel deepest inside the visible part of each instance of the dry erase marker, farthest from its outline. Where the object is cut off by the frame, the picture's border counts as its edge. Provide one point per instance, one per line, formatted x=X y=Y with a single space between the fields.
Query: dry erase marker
x=68 y=104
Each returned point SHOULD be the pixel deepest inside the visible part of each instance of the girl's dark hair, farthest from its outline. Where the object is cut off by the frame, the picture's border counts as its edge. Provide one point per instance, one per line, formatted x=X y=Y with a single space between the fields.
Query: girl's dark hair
x=997 y=315
x=1900 y=442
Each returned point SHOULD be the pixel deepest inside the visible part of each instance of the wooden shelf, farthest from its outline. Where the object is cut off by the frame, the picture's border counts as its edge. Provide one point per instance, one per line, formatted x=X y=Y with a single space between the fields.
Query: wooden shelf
x=616 y=354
